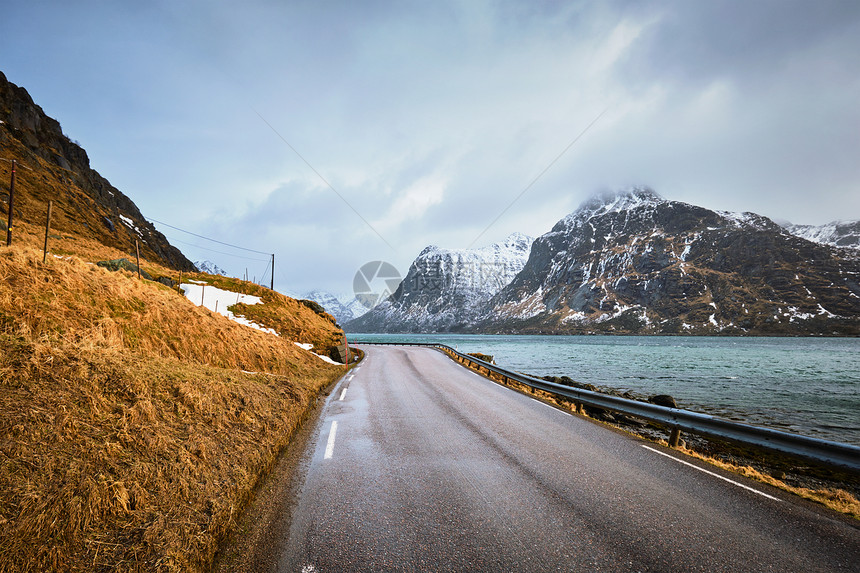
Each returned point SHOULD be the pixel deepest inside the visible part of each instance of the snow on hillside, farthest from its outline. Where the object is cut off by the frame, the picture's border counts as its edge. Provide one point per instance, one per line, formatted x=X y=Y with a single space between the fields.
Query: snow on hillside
x=218 y=300
x=309 y=347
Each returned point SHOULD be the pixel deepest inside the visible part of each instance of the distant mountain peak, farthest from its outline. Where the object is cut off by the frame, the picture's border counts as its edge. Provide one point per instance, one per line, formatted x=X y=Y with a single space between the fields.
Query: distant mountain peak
x=210 y=268
x=630 y=261
x=623 y=198
x=343 y=308
x=603 y=202
x=844 y=234
x=444 y=287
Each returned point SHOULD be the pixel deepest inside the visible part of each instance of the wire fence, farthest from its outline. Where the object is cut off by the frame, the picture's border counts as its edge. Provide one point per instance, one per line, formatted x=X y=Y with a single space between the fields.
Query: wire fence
x=9 y=225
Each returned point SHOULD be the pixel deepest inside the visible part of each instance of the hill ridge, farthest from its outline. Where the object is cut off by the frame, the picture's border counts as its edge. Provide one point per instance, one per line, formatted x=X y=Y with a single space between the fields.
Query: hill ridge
x=55 y=168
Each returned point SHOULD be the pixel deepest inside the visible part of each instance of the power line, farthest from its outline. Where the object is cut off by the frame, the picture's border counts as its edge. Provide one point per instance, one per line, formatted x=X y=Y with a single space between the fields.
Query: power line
x=173 y=240
x=207 y=238
x=535 y=180
x=264 y=273
x=324 y=180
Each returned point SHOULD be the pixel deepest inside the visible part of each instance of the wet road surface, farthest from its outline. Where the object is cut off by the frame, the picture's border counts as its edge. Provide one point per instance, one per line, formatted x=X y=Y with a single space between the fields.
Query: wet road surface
x=422 y=465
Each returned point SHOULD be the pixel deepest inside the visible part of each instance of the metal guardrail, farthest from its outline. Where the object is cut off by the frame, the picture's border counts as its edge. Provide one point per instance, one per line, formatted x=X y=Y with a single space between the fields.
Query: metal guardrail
x=823 y=451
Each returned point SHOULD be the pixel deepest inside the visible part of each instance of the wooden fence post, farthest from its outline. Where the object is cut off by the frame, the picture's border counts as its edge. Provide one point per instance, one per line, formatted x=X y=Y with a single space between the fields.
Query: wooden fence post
x=11 y=199
x=137 y=251
x=47 y=230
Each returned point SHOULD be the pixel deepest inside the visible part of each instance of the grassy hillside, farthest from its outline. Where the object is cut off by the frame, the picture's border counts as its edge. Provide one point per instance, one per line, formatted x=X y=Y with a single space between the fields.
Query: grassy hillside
x=88 y=212
x=133 y=424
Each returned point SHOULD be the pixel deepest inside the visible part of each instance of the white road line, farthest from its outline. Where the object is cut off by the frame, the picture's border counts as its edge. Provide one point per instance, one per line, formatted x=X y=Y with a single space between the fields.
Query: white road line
x=329 y=449
x=712 y=473
x=542 y=403
x=343 y=393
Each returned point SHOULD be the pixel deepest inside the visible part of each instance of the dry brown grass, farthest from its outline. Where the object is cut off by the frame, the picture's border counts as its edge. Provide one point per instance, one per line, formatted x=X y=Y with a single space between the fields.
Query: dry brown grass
x=72 y=302
x=130 y=438
x=77 y=226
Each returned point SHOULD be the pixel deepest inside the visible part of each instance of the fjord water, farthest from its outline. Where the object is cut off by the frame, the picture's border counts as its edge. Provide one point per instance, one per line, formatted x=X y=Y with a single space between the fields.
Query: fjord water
x=808 y=386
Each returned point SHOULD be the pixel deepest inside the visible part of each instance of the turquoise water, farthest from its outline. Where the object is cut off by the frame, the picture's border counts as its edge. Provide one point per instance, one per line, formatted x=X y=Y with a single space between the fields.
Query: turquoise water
x=808 y=386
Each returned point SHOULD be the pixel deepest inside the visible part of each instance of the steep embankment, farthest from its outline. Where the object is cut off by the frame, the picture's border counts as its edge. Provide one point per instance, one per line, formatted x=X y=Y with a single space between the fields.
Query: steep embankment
x=133 y=424
x=90 y=217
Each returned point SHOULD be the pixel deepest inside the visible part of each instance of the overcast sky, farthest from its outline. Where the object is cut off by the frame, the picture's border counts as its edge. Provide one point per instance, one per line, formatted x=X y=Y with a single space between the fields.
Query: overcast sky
x=335 y=133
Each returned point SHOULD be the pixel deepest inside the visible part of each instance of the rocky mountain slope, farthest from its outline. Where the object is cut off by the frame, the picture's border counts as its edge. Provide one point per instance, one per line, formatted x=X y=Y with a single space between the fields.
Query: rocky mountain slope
x=446 y=289
x=210 y=268
x=52 y=167
x=633 y=262
x=845 y=234
x=343 y=312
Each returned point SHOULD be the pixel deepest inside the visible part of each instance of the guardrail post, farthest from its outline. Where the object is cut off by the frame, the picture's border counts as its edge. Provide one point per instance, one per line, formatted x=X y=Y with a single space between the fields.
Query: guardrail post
x=675 y=438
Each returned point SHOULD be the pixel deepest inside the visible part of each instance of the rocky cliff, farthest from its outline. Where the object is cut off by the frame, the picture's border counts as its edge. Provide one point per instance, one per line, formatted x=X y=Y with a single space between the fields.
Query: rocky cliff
x=52 y=167
x=633 y=262
x=844 y=234
x=445 y=289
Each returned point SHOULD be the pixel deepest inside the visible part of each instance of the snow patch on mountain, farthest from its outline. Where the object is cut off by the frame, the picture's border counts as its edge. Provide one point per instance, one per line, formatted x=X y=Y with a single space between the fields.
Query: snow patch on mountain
x=845 y=234
x=636 y=197
x=342 y=308
x=209 y=267
x=444 y=288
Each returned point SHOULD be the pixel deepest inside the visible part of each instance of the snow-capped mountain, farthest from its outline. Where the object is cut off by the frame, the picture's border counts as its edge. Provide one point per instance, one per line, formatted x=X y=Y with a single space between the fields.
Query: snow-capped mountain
x=634 y=262
x=210 y=268
x=342 y=311
x=844 y=234
x=445 y=288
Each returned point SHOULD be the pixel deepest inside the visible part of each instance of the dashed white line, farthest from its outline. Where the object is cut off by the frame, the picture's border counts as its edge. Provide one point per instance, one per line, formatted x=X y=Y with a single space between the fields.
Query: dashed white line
x=329 y=449
x=711 y=473
x=343 y=393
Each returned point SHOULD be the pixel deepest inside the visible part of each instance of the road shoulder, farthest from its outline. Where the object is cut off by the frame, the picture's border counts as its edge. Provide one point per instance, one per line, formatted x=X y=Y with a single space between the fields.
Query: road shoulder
x=254 y=545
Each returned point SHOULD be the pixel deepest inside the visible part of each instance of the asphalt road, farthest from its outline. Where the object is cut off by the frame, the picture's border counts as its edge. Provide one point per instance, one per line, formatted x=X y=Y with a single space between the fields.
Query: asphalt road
x=422 y=465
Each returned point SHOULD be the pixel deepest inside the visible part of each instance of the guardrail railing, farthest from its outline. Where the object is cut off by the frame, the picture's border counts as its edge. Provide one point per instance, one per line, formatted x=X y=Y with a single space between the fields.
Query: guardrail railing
x=823 y=451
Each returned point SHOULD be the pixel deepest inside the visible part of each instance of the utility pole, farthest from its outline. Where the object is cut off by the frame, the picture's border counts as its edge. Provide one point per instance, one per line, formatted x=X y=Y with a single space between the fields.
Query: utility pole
x=273 y=271
x=11 y=197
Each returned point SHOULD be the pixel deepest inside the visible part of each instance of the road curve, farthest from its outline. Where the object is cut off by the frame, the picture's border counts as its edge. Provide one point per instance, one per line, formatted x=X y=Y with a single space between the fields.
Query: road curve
x=422 y=465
